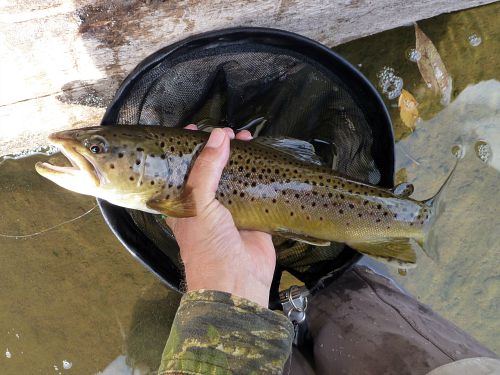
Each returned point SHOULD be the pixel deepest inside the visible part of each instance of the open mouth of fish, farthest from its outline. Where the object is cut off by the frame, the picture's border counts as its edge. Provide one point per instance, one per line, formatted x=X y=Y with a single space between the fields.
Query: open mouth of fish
x=81 y=164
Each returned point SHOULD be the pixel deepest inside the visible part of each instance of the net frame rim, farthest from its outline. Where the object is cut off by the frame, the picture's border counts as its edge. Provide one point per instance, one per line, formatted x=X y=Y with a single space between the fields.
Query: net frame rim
x=141 y=246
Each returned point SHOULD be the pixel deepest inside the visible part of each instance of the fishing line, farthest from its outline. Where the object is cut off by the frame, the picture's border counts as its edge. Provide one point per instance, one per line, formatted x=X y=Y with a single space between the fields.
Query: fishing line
x=47 y=229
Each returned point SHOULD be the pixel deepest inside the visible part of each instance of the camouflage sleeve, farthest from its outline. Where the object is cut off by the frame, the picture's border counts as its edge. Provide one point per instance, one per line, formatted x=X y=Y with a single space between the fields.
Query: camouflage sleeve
x=218 y=333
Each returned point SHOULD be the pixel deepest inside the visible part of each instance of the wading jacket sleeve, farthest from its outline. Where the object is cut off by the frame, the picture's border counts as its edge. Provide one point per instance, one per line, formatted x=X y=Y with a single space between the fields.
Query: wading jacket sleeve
x=218 y=333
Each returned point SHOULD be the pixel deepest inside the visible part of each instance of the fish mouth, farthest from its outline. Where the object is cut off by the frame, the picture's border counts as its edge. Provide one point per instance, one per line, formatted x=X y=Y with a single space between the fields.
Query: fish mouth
x=81 y=164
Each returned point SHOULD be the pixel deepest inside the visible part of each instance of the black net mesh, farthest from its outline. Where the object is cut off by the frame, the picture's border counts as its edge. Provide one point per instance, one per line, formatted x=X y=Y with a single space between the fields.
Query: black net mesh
x=271 y=88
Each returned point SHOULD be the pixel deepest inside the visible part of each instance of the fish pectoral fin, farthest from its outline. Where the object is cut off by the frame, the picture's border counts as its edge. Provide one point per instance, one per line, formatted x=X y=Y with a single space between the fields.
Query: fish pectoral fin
x=300 y=237
x=394 y=250
x=182 y=206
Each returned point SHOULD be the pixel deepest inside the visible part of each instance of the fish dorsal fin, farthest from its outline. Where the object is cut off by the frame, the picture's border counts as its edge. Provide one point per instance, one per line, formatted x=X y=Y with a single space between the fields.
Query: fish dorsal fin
x=301 y=150
x=392 y=249
x=300 y=237
x=182 y=206
x=404 y=189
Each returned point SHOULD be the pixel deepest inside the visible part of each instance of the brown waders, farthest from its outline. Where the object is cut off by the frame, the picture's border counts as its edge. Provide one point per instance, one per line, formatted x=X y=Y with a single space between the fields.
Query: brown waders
x=364 y=324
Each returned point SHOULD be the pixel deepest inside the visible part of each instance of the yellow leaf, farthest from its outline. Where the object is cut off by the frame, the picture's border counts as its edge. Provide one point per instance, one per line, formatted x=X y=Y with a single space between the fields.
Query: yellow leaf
x=408 y=109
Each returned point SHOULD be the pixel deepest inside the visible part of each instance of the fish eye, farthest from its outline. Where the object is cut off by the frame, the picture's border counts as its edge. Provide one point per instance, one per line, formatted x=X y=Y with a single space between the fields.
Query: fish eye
x=95 y=149
x=96 y=144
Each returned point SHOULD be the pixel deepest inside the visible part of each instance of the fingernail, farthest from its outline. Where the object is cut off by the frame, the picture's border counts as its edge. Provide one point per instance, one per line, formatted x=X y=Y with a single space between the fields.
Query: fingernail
x=216 y=138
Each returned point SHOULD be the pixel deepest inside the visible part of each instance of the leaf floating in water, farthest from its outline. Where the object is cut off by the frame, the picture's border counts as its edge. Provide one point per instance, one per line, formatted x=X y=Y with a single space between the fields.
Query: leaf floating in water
x=432 y=67
x=408 y=109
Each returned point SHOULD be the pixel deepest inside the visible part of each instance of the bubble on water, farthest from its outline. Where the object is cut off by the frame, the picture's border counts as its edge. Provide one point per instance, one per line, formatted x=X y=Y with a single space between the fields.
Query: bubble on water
x=413 y=55
x=8 y=354
x=390 y=83
x=458 y=151
x=67 y=364
x=474 y=40
x=483 y=151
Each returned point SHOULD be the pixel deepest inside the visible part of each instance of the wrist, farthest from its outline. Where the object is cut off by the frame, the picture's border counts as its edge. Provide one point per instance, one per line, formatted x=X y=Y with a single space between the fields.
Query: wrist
x=222 y=280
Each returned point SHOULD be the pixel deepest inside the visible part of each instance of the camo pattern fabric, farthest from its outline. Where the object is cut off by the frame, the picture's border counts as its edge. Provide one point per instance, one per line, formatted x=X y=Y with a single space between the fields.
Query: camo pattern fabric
x=219 y=333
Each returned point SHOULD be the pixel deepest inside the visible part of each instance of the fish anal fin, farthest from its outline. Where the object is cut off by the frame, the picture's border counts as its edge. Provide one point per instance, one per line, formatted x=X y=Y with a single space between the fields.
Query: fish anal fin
x=182 y=206
x=395 y=249
x=300 y=237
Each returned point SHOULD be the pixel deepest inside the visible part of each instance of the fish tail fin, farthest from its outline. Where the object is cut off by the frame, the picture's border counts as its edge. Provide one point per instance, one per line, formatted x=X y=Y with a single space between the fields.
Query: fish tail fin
x=436 y=207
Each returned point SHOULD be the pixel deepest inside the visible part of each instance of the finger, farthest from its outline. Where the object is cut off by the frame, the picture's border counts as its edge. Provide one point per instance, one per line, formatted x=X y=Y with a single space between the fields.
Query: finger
x=229 y=132
x=191 y=127
x=244 y=135
x=207 y=169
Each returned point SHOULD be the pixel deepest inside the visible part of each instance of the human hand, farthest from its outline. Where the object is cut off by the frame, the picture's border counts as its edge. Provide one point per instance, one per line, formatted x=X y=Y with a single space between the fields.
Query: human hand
x=215 y=253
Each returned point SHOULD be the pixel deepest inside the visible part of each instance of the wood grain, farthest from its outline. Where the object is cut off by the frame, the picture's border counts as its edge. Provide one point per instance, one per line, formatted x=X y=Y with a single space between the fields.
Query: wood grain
x=61 y=61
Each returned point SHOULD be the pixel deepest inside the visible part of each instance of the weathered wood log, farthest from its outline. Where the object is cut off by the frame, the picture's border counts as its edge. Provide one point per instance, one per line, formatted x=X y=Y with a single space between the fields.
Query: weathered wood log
x=61 y=61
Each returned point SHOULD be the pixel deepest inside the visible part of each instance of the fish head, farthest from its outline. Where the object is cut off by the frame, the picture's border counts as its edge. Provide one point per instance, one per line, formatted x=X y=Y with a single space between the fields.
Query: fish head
x=105 y=163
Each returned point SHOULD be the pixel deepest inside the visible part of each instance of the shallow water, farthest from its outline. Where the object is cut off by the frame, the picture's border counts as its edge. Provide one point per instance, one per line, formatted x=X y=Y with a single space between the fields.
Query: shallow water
x=463 y=284
x=73 y=301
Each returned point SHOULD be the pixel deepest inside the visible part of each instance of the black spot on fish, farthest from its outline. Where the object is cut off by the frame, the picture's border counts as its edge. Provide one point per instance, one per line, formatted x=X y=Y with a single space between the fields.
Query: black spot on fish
x=379 y=206
x=378 y=220
x=266 y=210
x=120 y=155
x=172 y=149
x=137 y=162
x=235 y=191
x=386 y=213
x=229 y=201
x=360 y=215
x=291 y=213
x=351 y=205
x=341 y=196
x=112 y=166
x=139 y=149
x=131 y=178
x=162 y=156
x=242 y=195
x=152 y=183
x=162 y=144
x=341 y=211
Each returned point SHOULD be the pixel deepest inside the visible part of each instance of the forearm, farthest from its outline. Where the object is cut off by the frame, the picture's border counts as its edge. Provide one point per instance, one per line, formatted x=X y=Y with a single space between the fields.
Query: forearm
x=215 y=332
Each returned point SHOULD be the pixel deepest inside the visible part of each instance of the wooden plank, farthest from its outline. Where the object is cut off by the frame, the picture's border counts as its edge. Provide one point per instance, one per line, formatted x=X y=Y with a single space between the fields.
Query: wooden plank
x=61 y=61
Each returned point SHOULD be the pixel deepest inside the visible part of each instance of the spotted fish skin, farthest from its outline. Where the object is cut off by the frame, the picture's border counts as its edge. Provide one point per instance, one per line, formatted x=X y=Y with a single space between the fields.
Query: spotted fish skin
x=265 y=189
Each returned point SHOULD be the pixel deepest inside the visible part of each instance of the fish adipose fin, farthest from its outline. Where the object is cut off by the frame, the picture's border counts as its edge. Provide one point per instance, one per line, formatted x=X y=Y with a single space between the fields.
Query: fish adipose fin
x=182 y=206
x=404 y=189
x=301 y=237
x=395 y=250
x=298 y=149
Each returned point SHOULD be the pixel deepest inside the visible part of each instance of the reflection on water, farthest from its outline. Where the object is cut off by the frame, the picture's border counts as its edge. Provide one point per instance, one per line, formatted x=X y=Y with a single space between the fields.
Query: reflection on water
x=73 y=301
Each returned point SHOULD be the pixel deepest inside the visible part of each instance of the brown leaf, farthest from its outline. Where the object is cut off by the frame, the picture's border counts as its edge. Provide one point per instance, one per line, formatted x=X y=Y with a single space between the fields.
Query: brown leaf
x=408 y=109
x=432 y=67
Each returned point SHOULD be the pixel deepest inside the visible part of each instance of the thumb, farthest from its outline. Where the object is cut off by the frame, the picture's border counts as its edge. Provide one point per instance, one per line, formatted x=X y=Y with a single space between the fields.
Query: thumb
x=206 y=172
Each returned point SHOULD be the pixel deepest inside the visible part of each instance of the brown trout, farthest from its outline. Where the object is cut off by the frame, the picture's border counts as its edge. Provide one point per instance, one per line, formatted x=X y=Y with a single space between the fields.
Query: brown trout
x=274 y=185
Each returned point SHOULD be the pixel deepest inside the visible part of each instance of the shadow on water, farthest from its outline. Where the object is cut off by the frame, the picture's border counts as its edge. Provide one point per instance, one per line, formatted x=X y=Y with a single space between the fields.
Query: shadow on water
x=73 y=299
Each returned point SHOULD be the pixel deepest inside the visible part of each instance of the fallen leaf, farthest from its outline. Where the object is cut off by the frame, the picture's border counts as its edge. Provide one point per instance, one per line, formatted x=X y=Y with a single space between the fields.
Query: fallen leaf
x=431 y=67
x=408 y=110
